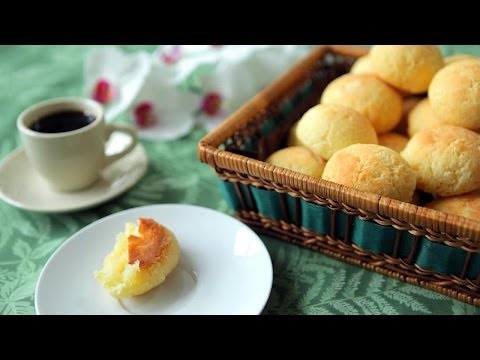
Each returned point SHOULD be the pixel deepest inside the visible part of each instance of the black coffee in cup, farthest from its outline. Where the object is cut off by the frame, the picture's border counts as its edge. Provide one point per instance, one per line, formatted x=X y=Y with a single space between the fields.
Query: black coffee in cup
x=62 y=122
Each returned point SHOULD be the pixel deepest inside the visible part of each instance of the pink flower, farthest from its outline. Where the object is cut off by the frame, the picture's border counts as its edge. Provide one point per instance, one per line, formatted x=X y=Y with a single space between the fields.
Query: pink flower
x=173 y=55
x=212 y=103
x=103 y=92
x=144 y=115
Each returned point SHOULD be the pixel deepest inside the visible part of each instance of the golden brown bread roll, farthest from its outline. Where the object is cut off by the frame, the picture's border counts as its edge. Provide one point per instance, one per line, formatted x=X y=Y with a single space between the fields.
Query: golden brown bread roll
x=362 y=66
x=142 y=258
x=455 y=94
x=298 y=158
x=368 y=95
x=393 y=141
x=292 y=136
x=407 y=67
x=445 y=159
x=422 y=118
x=372 y=168
x=466 y=205
x=457 y=57
x=408 y=104
x=327 y=128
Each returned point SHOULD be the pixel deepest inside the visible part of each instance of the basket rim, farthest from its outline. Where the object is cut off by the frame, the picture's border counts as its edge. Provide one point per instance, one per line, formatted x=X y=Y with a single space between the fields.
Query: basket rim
x=453 y=227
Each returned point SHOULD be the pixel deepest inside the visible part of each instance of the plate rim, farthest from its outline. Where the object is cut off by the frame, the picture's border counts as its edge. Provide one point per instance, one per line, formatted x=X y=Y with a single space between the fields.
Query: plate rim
x=126 y=211
x=67 y=209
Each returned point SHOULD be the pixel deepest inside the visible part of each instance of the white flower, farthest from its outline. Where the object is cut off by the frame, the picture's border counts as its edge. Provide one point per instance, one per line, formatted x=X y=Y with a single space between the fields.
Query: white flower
x=114 y=78
x=224 y=91
x=160 y=110
x=187 y=59
x=177 y=86
x=241 y=72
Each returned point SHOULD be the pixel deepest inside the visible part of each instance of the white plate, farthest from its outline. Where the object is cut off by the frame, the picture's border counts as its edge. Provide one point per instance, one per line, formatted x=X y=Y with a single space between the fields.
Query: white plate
x=224 y=267
x=25 y=188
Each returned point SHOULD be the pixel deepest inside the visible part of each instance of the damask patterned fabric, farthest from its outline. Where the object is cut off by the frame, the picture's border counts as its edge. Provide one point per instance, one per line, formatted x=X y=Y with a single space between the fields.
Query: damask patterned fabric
x=304 y=282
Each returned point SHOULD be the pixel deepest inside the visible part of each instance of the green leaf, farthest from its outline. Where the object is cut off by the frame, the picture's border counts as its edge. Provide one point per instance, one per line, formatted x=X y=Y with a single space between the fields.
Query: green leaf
x=3 y=274
x=22 y=292
x=305 y=277
x=7 y=275
x=425 y=293
x=7 y=233
x=385 y=307
x=344 y=307
x=7 y=288
x=328 y=270
x=23 y=308
x=408 y=301
x=319 y=311
x=393 y=285
x=45 y=249
x=336 y=285
x=18 y=308
x=367 y=305
x=461 y=308
x=375 y=283
x=295 y=258
x=313 y=291
x=353 y=283
x=26 y=267
x=27 y=229
x=21 y=249
x=41 y=224
x=300 y=256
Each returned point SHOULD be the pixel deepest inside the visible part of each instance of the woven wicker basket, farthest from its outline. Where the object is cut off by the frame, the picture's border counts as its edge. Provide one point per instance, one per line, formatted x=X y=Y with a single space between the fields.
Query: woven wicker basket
x=411 y=243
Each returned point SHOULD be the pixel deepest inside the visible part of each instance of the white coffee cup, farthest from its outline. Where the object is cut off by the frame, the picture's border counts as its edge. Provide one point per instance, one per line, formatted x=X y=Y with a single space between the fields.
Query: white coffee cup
x=70 y=160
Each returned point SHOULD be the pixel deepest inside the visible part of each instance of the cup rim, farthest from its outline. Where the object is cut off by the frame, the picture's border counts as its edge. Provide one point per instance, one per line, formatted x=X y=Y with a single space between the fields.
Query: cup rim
x=98 y=109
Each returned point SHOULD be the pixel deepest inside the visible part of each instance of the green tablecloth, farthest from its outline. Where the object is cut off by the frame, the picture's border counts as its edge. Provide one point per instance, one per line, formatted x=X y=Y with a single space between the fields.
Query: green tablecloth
x=304 y=282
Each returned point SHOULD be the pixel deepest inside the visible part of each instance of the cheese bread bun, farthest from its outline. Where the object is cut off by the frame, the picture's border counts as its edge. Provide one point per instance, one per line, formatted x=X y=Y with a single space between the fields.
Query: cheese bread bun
x=142 y=258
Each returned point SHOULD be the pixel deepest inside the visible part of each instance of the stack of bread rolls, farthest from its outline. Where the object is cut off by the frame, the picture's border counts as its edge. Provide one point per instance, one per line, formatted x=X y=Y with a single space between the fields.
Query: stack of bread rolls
x=404 y=119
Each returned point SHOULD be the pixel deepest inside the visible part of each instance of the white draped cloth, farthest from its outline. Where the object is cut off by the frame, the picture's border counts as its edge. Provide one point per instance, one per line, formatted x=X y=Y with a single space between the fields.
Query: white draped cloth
x=168 y=92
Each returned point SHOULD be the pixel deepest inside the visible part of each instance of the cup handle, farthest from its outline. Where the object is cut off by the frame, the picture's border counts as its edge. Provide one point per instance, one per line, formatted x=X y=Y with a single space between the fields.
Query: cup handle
x=130 y=130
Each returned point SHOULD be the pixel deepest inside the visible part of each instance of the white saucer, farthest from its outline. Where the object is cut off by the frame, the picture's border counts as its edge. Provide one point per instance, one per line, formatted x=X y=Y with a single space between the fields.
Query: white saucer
x=224 y=267
x=23 y=187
